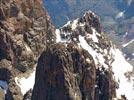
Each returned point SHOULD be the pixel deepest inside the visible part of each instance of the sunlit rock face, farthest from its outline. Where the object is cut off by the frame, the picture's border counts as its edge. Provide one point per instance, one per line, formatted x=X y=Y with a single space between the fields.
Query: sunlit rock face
x=25 y=29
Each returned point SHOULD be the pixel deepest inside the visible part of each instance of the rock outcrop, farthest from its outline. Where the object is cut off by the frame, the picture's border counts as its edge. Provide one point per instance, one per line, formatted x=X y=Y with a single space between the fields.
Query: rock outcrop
x=69 y=73
x=25 y=29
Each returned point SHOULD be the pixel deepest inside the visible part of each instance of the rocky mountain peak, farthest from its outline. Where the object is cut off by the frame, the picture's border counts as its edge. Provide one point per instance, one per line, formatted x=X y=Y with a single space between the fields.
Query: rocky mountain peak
x=90 y=18
x=75 y=37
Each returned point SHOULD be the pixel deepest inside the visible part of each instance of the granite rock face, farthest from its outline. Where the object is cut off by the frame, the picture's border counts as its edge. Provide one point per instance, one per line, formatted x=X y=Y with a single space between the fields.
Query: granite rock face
x=25 y=29
x=69 y=73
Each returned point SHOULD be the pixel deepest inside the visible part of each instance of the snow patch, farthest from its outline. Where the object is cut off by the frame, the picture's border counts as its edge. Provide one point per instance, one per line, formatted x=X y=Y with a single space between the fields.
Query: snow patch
x=26 y=83
x=98 y=58
x=94 y=37
x=74 y=24
x=62 y=37
x=68 y=23
x=88 y=60
x=58 y=37
x=28 y=48
x=120 y=14
x=125 y=34
x=126 y=44
x=81 y=24
x=120 y=66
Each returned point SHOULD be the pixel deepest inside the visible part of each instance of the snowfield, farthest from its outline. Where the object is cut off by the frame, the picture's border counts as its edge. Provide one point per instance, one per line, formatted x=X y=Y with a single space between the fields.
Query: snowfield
x=120 y=66
x=26 y=83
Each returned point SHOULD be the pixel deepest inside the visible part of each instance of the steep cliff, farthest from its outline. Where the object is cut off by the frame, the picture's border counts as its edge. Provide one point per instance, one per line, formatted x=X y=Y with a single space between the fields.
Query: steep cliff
x=25 y=29
x=69 y=73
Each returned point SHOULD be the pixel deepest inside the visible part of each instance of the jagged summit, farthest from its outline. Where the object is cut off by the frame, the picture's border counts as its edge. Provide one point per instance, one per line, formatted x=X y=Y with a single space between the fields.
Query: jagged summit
x=89 y=19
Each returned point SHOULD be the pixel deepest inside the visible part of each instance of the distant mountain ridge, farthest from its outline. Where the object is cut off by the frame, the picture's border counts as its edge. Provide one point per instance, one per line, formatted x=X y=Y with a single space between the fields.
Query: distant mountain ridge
x=75 y=8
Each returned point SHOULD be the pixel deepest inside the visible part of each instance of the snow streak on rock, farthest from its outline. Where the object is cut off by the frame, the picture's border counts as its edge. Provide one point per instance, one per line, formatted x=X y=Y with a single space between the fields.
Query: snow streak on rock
x=126 y=44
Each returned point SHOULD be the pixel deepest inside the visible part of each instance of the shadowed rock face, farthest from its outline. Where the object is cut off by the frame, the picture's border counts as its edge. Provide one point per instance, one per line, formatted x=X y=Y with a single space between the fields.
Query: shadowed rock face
x=25 y=29
x=63 y=72
x=28 y=95
x=69 y=73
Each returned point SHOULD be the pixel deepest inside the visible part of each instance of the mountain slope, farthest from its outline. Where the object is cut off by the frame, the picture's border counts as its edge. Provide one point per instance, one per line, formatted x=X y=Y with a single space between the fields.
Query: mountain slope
x=64 y=69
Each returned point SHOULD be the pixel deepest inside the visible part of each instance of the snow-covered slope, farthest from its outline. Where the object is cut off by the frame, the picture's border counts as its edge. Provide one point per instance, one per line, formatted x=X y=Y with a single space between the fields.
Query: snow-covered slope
x=105 y=54
x=121 y=69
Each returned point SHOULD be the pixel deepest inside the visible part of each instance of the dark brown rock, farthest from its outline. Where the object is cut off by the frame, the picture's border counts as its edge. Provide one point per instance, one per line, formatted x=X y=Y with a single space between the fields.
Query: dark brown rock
x=69 y=73
x=28 y=95
x=91 y=20
x=25 y=29
x=105 y=89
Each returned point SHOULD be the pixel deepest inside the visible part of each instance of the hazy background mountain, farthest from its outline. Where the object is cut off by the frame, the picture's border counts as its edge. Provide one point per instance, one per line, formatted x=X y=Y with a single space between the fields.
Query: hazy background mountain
x=117 y=18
